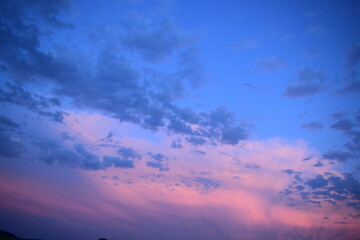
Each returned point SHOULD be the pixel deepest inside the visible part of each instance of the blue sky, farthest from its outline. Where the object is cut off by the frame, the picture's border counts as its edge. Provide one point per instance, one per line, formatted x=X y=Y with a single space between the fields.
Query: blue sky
x=214 y=120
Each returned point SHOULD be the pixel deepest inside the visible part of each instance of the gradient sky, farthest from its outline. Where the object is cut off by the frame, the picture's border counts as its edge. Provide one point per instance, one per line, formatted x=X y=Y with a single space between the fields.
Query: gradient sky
x=180 y=119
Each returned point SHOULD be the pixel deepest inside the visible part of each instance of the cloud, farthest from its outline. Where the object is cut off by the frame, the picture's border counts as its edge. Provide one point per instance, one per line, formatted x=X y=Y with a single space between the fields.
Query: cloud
x=155 y=43
x=176 y=144
x=191 y=69
x=36 y=103
x=159 y=161
x=330 y=188
x=288 y=171
x=343 y=125
x=317 y=182
x=270 y=64
x=5 y=121
x=308 y=83
x=77 y=157
x=337 y=115
x=109 y=161
x=207 y=184
x=338 y=155
x=312 y=126
x=196 y=140
x=200 y=152
x=350 y=129
x=318 y=164
x=352 y=83
x=352 y=80
x=353 y=55
x=117 y=84
x=127 y=153
x=222 y=124
x=10 y=146
x=246 y=44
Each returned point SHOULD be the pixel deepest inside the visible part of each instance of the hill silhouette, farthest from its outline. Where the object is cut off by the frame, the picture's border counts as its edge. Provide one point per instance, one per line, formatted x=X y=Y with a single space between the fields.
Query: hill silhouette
x=9 y=236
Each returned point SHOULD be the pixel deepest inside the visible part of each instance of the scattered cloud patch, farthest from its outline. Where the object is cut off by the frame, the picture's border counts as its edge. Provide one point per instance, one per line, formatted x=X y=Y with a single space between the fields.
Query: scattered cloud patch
x=159 y=161
x=127 y=153
x=246 y=44
x=312 y=126
x=13 y=93
x=207 y=184
x=6 y=121
x=337 y=115
x=343 y=125
x=270 y=64
x=329 y=188
x=76 y=157
x=196 y=140
x=176 y=144
x=308 y=83
x=318 y=164
x=338 y=155
x=112 y=161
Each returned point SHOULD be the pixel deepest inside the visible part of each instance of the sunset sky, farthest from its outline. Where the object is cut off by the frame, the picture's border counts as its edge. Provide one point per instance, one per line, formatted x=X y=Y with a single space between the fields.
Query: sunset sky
x=134 y=119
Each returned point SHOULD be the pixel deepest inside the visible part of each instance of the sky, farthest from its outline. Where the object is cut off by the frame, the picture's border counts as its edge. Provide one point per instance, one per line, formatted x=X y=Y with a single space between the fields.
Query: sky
x=134 y=119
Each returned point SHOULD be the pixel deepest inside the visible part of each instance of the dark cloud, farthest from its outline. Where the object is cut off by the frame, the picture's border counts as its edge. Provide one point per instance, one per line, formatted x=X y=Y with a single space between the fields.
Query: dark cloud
x=252 y=166
x=350 y=129
x=21 y=34
x=159 y=161
x=77 y=157
x=286 y=192
x=13 y=93
x=317 y=182
x=221 y=124
x=127 y=153
x=343 y=125
x=218 y=124
x=6 y=121
x=357 y=117
x=288 y=171
x=200 y=152
x=10 y=146
x=196 y=140
x=176 y=144
x=249 y=85
x=308 y=83
x=207 y=184
x=353 y=144
x=116 y=84
x=191 y=69
x=154 y=43
x=307 y=158
x=312 y=126
x=331 y=189
x=109 y=161
x=270 y=64
x=318 y=164
x=46 y=10
x=352 y=80
x=338 y=155
x=337 y=115
x=314 y=202
x=107 y=139
x=246 y=44
x=353 y=55
x=352 y=83
x=66 y=136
